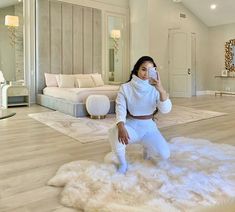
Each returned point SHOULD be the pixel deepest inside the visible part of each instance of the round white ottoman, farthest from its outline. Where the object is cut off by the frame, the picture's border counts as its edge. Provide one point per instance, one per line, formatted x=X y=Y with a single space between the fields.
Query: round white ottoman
x=97 y=106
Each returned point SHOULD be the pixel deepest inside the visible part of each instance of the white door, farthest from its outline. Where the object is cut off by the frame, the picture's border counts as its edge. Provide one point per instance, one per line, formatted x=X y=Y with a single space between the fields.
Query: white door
x=180 y=64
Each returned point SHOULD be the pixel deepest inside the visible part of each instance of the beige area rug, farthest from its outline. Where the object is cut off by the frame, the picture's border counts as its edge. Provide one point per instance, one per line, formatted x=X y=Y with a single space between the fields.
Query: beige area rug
x=199 y=174
x=90 y=130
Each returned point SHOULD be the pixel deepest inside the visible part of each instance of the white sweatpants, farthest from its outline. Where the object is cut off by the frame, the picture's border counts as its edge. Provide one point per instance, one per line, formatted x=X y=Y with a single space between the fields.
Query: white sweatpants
x=140 y=131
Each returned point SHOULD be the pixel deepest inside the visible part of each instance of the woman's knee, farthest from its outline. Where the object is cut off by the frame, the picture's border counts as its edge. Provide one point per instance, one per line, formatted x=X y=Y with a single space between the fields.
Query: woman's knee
x=113 y=140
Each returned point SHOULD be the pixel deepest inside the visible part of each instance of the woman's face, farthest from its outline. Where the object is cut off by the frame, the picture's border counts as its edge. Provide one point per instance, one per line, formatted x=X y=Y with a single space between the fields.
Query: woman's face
x=143 y=70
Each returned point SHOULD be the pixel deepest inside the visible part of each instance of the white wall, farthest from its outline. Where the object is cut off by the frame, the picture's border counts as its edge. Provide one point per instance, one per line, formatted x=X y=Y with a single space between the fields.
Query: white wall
x=139 y=26
x=11 y=54
x=218 y=37
x=19 y=44
x=7 y=51
x=161 y=16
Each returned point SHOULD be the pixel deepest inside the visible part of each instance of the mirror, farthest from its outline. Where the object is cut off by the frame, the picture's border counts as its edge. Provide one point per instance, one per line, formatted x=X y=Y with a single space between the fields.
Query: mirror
x=230 y=55
x=11 y=42
x=115 y=48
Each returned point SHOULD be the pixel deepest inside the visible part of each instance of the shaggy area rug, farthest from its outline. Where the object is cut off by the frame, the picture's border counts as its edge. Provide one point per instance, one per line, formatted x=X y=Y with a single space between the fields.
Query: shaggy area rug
x=199 y=173
x=90 y=130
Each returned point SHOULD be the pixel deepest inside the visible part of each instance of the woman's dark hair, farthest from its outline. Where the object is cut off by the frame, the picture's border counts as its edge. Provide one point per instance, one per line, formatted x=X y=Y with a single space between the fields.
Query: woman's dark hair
x=139 y=62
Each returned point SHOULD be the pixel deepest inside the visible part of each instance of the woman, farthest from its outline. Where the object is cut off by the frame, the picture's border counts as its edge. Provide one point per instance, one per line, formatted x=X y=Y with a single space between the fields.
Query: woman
x=135 y=105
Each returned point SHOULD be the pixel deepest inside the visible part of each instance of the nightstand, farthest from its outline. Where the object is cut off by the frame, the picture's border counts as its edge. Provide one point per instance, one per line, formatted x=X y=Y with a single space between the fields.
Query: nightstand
x=15 y=95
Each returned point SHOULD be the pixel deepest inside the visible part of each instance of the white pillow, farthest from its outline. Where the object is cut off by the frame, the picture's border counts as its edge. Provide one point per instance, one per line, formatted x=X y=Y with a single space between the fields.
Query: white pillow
x=50 y=80
x=97 y=79
x=81 y=76
x=65 y=81
x=85 y=82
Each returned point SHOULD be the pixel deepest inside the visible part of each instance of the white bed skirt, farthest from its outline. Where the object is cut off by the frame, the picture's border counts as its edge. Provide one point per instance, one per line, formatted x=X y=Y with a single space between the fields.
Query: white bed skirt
x=67 y=107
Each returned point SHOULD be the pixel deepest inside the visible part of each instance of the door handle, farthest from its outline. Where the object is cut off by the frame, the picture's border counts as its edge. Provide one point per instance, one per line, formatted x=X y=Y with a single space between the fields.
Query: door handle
x=189 y=71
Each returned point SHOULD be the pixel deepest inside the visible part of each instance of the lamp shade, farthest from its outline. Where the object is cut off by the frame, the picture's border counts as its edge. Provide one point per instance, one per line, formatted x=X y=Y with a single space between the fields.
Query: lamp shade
x=115 y=33
x=11 y=20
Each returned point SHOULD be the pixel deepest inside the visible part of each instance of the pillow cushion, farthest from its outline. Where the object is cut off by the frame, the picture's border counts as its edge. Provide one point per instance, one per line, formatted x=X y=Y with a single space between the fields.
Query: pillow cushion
x=66 y=81
x=85 y=82
x=97 y=79
x=50 y=80
x=81 y=76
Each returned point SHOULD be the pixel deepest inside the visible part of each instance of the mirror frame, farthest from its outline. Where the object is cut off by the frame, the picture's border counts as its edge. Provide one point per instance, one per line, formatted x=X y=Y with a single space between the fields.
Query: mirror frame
x=229 y=55
x=126 y=55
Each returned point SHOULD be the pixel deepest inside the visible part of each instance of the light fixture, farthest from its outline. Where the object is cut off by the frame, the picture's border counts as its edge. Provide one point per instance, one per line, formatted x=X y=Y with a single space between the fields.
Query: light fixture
x=11 y=22
x=115 y=35
x=213 y=6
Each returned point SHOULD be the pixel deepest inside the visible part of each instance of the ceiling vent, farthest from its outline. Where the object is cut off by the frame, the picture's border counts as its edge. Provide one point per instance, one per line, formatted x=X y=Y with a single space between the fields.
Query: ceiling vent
x=182 y=15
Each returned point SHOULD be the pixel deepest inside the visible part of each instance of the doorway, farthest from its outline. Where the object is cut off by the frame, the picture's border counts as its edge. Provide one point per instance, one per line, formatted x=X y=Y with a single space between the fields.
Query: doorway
x=182 y=63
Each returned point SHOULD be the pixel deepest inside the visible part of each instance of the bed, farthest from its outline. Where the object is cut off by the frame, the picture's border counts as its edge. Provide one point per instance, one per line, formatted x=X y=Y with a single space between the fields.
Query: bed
x=63 y=97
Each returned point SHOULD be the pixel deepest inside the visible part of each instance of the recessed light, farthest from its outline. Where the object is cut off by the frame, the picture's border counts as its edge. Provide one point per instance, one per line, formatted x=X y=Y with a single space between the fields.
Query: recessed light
x=19 y=0
x=213 y=6
x=176 y=1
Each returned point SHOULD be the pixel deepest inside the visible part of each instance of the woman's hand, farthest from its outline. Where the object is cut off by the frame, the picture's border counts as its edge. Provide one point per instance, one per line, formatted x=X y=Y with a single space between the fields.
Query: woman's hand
x=158 y=85
x=123 y=136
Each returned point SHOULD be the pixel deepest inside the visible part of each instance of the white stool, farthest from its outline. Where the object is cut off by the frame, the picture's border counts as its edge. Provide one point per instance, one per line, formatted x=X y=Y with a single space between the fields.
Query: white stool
x=97 y=106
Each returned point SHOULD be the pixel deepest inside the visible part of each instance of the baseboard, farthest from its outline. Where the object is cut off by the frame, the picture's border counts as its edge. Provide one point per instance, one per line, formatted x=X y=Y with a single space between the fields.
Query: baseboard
x=207 y=92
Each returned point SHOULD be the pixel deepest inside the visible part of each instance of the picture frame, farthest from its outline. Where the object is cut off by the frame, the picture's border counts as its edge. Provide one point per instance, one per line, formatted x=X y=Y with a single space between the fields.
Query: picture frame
x=224 y=73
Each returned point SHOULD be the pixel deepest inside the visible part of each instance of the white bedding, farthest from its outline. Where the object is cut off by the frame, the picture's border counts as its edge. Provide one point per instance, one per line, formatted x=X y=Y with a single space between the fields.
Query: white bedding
x=79 y=95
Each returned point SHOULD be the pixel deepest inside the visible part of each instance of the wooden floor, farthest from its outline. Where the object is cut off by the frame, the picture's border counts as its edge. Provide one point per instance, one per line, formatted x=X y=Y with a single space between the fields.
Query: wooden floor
x=31 y=152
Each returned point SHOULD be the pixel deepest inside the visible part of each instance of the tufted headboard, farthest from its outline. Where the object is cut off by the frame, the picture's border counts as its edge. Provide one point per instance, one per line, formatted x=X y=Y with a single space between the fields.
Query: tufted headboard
x=68 y=39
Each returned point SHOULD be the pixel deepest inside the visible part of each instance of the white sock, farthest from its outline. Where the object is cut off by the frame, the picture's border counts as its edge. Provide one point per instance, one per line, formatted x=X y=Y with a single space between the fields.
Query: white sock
x=122 y=162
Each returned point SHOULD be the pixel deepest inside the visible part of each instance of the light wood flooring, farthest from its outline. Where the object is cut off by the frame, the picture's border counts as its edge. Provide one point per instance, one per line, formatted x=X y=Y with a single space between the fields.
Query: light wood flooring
x=31 y=152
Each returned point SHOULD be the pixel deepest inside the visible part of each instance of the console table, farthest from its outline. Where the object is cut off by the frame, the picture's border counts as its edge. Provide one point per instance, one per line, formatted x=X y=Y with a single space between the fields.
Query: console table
x=221 y=92
x=15 y=95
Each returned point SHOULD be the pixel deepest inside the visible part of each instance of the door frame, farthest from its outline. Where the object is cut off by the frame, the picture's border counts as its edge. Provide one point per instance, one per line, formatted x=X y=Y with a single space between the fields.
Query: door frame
x=189 y=50
x=125 y=47
x=194 y=63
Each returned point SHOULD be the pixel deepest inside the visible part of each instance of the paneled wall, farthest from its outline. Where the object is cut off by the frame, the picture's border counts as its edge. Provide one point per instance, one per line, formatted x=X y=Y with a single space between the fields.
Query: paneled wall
x=68 y=39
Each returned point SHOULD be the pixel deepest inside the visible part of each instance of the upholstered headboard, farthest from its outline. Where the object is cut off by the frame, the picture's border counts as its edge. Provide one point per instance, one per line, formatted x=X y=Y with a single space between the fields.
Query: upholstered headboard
x=68 y=39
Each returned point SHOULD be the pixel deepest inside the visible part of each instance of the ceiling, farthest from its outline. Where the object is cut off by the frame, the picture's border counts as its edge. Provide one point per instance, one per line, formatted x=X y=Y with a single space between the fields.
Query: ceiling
x=223 y=14
x=6 y=3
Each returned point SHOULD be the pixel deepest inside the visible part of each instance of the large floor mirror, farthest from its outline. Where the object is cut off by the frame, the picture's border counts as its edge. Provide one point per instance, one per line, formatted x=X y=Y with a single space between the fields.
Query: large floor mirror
x=116 y=48
x=11 y=42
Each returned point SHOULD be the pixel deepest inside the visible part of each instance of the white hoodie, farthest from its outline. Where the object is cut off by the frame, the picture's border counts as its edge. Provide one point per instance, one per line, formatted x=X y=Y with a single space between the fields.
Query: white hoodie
x=139 y=98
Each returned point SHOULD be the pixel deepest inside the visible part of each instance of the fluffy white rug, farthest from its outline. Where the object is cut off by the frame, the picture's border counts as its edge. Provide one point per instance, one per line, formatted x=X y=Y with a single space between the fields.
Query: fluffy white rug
x=199 y=173
x=89 y=130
